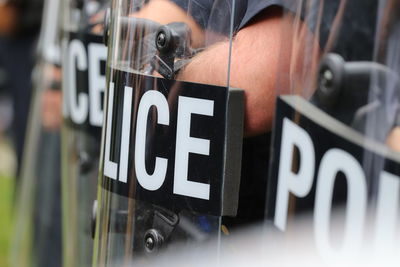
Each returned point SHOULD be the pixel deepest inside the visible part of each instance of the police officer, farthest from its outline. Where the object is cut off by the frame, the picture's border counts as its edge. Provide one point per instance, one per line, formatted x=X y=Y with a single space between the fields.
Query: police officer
x=259 y=37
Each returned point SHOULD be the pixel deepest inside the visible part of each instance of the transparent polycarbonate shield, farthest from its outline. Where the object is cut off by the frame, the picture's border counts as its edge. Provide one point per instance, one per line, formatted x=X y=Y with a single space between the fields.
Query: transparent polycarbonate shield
x=84 y=59
x=38 y=201
x=334 y=156
x=171 y=143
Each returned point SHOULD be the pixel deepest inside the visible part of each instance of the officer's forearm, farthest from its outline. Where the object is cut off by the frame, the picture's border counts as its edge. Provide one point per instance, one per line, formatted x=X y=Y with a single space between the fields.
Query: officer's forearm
x=253 y=68
x=258 y=50
x=393 y=139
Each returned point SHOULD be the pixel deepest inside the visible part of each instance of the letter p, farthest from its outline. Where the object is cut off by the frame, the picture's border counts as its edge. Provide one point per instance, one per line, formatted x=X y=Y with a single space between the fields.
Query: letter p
x=299 y=183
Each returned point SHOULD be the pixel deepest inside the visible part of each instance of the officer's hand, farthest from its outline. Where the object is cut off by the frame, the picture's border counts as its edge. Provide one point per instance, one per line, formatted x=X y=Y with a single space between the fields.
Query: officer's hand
x=51 y=105
x=393 y=140
x=8 y=19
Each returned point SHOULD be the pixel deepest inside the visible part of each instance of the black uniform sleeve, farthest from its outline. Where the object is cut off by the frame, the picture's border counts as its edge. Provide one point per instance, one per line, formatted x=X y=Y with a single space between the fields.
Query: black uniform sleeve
x=254 y=7
x=357 y=24
x=213 y=15
x=200 y=10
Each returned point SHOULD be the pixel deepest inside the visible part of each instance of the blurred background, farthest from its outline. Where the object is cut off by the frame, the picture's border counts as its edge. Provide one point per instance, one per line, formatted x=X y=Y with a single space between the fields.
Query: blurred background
x=20 y=22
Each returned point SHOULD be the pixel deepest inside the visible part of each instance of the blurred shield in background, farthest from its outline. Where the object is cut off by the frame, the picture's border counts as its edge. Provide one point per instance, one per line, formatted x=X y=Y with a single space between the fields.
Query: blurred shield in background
x=84 y=59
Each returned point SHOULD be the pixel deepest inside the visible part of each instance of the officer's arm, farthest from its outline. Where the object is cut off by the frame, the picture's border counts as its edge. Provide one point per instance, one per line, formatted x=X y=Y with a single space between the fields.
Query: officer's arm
x=256 y=56
x=393 y=140
x=257 y=52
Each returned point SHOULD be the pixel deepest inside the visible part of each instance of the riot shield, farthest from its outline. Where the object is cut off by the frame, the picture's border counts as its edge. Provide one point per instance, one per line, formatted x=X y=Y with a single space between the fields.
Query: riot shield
x=336 y=120
x=171 y=145
x=38 y=208
x=84 y=56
